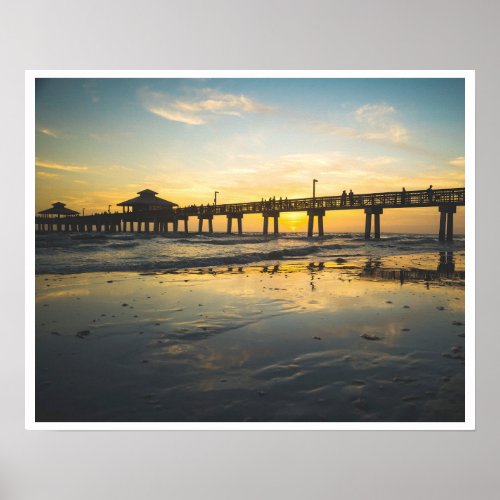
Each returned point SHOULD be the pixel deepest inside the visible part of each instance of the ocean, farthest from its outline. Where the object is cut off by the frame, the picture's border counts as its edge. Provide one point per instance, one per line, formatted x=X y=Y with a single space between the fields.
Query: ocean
x=98 y=252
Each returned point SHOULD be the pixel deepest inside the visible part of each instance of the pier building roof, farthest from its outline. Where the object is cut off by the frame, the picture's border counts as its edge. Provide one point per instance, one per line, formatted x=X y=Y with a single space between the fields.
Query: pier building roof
x=58 y=208
x=147 y=197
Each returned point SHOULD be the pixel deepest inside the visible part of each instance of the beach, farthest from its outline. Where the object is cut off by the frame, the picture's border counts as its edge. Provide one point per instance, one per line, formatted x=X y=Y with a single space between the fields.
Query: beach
x=344 y=333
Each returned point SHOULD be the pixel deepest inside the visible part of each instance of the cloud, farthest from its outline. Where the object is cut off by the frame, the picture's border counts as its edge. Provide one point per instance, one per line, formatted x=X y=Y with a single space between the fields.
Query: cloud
x=199 y=109
x=373 y=122
x=104 y=168
x=334 y=129
x=176 y=116
x=438 y=173
x=240 y=178
x=378 y=123
x=47 y=175
x=373 y=113
x=459 y=161
x=97 y=169
x=247 y=178
x=60 y=166
x=395 y=133
x=48 y=131
x=243 y=179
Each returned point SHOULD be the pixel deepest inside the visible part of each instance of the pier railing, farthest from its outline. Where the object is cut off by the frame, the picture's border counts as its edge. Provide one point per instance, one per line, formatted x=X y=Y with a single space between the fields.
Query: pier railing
x=392 y=199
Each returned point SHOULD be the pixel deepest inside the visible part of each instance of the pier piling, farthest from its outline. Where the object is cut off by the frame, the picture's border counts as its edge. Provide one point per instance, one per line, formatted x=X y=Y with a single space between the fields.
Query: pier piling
x=315 y=212
x=446 y=221
x=239 y=218
x=376 y=212
x=275 y=215
x=208 y=217
x=368 y=225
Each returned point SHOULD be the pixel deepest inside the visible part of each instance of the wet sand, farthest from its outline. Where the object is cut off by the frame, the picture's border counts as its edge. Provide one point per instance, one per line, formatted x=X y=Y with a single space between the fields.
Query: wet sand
x=337 y=341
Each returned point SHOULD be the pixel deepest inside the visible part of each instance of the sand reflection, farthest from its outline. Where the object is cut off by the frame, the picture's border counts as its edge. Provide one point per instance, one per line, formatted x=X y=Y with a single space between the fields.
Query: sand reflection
x=341 y=340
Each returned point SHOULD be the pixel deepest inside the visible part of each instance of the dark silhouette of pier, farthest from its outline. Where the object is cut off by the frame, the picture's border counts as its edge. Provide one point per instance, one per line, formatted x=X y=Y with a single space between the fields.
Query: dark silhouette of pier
x=445 y=269
x=147 y=213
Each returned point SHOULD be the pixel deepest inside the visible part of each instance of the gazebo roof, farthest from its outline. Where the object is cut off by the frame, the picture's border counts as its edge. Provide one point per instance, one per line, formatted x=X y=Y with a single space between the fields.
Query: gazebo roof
x=147 y=197
x=58 y=208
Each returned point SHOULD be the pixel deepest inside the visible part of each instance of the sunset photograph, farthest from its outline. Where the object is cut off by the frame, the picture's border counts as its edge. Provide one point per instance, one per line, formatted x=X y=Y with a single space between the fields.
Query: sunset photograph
x=249 y=249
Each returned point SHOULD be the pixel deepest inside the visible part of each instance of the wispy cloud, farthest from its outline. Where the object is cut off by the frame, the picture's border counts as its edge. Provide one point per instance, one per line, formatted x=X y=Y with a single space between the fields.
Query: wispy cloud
x=48 y=131
x=60 y=166
x=373 y=114
x=373 y=122
x=200 y=108
x=176 y=116
x=246 y=178
x=459 y=162
x=381 y=123
x=47 y=175
x=97 y=169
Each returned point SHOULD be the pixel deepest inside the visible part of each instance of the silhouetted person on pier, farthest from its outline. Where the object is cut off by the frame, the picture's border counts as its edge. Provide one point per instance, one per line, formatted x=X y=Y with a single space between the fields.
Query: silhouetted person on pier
x=430 y=193
x=343 y=198
x=351 y=197
x=403 y=196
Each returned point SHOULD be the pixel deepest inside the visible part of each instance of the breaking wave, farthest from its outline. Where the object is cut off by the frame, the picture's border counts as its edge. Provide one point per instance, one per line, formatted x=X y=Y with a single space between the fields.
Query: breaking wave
x=81 y=253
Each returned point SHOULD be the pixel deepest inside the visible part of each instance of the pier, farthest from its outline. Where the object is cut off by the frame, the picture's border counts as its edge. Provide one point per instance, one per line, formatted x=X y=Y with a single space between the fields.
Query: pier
x=148 y=213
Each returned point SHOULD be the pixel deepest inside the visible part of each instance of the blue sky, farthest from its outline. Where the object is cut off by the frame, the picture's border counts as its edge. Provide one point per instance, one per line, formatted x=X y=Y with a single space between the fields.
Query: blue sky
x=98 y=141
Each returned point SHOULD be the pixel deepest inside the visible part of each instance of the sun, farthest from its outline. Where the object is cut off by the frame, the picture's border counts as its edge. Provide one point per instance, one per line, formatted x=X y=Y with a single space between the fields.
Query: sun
x=293 y=221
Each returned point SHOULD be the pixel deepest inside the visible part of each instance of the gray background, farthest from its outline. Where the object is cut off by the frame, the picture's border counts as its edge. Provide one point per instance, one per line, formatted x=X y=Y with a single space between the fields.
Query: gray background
x=271 y=34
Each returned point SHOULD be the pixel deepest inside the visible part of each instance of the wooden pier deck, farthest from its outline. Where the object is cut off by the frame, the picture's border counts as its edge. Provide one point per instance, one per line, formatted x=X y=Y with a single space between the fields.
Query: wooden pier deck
x=373 y=205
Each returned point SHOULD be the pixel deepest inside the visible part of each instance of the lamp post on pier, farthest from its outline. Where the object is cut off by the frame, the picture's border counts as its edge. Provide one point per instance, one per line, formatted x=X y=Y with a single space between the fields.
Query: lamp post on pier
x=314 y=192
x=215 y=198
